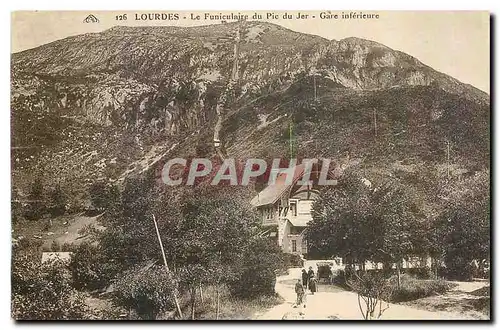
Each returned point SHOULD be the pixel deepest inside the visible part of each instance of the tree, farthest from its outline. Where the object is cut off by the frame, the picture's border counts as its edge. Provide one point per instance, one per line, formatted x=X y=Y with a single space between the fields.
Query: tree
x=216 y=225
x=400 y=216
x=103 y=195
x=57 y=201
x=464 y=225
x=16 y=206
x=353 y=221
x=146 y=291
x=371 y=289
x=130 y=238
x=257 y=269
x=344 y=223
x=36 y=201
x=89 y=267
x=205 y=231
x=44 y=292
x=191 y=277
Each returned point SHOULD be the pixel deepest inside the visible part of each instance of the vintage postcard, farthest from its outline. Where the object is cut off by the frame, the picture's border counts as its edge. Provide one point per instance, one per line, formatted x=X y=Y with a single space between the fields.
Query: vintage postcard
x=250 y=165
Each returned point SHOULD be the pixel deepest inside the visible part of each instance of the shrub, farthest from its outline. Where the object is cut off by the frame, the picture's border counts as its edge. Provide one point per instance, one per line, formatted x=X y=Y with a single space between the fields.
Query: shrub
x=458 y=268
x=89 y=268
x=292 y=260
x=27 y=245
x=103 y=196
x=231 y=308
x=342 y=276
x=421 y=273
x=55 y=246
x=412 y=288
x=257 y=269
x=57 y=202
x=68 y=247
x=339 y=278
x=371 y=287
x=43 y=291
x=46 y=249
x=36 y=208
x=147 y=292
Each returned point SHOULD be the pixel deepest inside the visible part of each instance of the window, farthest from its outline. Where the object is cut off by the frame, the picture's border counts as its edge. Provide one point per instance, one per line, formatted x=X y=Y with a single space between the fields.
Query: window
x=293 y=208
x=305 y=207
x=294 y=246
x=267 y=213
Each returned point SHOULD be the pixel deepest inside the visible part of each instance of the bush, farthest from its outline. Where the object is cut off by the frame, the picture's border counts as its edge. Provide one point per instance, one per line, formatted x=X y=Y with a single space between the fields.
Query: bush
x=68 y=247
x=292 y=260
x=458 y=268
x=89 y=268
x=147 y=292
x=339 y=278
x=412 y=288
x=55 y=246
x=43 y=292
x=35 y=209
x=231 y=308
x=103 y=196
x=371 y=287
x=57 y=202
x=256 y=273
x=421 y=273
x=30 y=246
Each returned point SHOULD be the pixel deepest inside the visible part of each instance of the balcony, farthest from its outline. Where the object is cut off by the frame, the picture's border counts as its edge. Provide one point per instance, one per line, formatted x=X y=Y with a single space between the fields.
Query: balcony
x=267 y=221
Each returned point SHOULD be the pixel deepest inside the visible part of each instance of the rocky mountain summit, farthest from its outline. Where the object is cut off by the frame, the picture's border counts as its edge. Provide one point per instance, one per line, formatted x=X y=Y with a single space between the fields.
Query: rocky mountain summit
x=113 y=104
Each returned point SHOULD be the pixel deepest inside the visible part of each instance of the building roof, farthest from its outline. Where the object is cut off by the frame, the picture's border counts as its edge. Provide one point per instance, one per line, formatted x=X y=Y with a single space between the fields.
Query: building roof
x=273 y=192
x=50 y=256
x=300 y=220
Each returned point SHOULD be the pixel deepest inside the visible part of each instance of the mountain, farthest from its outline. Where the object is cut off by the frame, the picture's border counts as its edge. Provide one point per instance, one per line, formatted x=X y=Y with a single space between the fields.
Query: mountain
x=116 y=104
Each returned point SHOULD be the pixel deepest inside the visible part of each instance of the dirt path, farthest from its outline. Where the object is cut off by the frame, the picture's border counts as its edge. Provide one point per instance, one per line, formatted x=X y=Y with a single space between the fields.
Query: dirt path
x=339 y=304
x=68 y=229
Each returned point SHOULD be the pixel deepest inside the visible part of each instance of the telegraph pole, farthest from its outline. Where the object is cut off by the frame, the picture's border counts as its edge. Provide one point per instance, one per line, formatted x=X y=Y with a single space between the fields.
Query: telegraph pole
x=179 y=311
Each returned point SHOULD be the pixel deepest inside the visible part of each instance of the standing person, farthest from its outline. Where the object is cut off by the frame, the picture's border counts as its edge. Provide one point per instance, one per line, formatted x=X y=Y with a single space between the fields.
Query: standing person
x=312 y=284
x=299 y=290
x=305 y=278
x=310 y=274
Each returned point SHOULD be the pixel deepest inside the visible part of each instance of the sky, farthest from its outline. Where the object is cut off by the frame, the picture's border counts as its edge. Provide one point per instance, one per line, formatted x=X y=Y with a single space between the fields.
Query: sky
x=456 y=43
